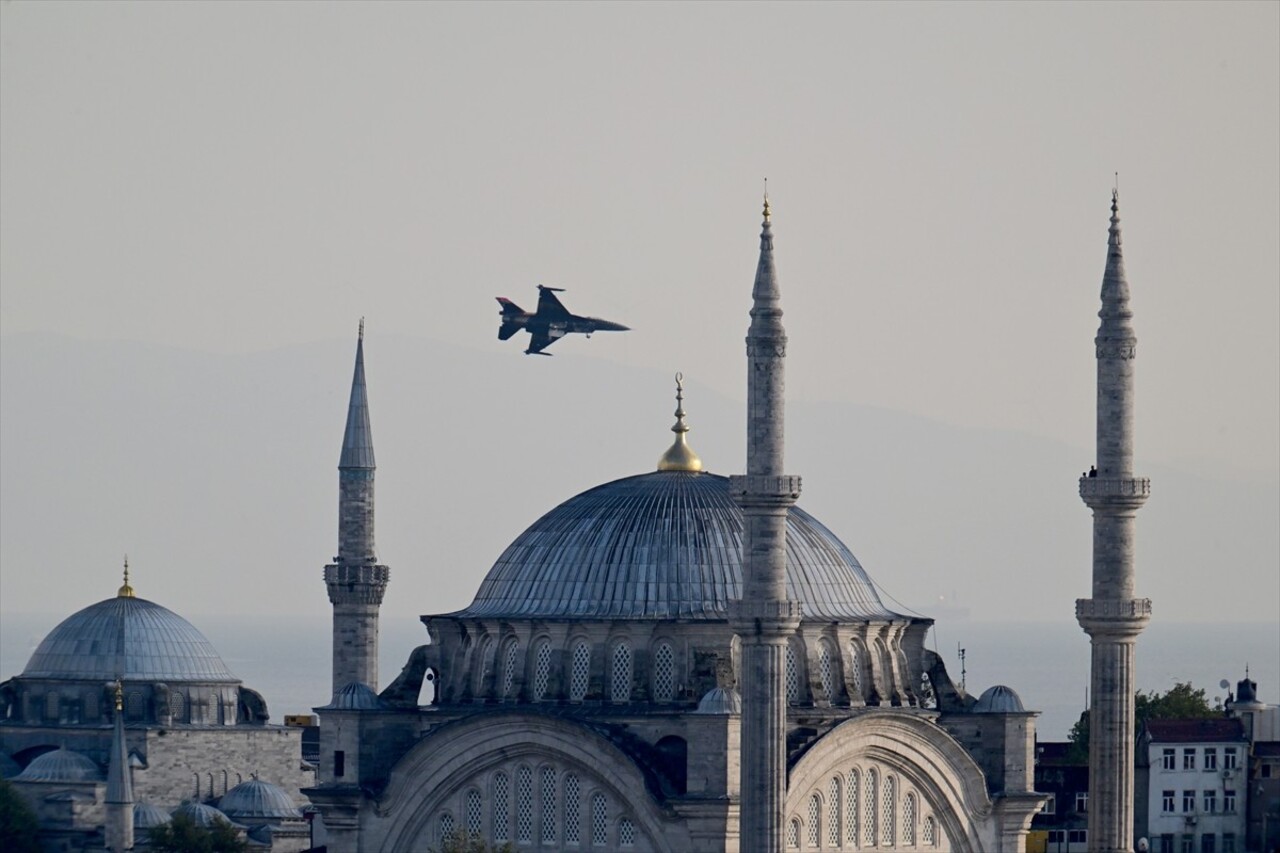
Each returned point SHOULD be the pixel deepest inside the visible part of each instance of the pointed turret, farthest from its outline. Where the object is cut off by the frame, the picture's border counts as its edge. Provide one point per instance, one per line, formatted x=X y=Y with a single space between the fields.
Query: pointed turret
x=355 y=580
x=764 y=618
x=119 y=799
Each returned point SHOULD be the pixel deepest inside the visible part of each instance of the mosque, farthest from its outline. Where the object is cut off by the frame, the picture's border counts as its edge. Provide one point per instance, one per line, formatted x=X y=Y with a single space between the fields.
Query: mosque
x=672 y=661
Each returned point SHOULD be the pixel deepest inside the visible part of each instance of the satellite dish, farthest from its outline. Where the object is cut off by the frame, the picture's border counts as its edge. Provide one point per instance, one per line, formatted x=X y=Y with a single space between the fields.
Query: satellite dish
x=1224 y=684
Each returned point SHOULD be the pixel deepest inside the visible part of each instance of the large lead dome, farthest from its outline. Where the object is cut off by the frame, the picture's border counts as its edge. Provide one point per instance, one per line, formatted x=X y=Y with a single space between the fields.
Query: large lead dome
x=665 y=545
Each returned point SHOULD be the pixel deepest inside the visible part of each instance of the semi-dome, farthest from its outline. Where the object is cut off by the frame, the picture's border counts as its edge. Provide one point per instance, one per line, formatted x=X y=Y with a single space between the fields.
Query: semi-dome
x=130 y=638
x=663 y=545
x=255 y=800
x=61 y=765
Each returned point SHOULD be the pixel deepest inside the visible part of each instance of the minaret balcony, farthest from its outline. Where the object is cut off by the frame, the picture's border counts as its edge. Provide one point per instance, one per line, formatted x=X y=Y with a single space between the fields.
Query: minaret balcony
x=1115 y=617
x=764 y=489
x=1115 y=492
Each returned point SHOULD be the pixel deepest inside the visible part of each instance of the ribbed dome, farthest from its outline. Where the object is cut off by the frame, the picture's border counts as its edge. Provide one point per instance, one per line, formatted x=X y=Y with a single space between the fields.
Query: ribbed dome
x=354 y=697
x=202 y=814
x=129 y=638
x=664 y=545
x=999 y=700
x=61 y=765
x=147 y=816
x=257 y=800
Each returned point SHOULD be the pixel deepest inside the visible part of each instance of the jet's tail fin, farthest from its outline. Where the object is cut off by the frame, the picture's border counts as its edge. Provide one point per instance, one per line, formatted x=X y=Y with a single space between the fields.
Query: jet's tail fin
x=509 y=308
x=507 y=329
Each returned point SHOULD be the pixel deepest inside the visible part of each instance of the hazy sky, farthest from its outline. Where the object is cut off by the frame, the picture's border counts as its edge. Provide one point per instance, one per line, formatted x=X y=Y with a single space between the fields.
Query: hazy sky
x=240 y=177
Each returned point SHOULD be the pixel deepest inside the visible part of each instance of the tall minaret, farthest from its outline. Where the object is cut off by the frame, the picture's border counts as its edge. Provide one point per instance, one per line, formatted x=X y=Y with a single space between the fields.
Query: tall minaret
x=356 y=582
x=1113 y=617
x=764 y=618
x=119 y=799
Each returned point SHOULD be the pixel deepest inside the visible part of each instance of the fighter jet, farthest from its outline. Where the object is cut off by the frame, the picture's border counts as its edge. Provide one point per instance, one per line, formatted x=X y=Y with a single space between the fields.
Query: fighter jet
x=549 y=323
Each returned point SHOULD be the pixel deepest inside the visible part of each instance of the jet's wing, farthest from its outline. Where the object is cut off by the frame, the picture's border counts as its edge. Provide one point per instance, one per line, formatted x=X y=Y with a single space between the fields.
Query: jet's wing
x=540 y=340
x=549 y=307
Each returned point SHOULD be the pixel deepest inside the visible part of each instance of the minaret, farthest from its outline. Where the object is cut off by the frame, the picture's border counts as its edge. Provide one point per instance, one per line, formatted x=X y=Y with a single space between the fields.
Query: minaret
x=764 y=618
x=1113 y=617
x=119 y=799
x=356 y=582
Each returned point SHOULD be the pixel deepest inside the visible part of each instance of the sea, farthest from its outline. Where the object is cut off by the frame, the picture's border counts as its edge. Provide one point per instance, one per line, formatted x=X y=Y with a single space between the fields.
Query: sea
x=287 y=658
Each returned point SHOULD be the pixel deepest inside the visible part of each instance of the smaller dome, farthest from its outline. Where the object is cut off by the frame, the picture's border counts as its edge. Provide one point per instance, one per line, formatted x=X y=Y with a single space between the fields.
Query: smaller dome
x=8 y=767
x=203 y=815
x=999 y=700
x=256 y=800
x=147 y=816
x=61 y=765
x=355 y=697
x=718 y=700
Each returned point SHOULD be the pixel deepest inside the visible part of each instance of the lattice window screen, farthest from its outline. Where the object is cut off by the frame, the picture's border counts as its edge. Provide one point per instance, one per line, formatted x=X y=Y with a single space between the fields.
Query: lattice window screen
x=446 y=826
x=793 y=676
x=599 y=820
x=813 y=830
x=664 y=675
x=887 y=798
x=501 y=807
x=524 y=804
x=572 y=791
x=869 y=810
x=541 y=670
x=474 y=812
x=512 y=660
x=549 y=809
x=909 y=820
x=833 y=812
x=620 y=687
x=482 y=663
x=928 y=833
x=793 y=834
x=581 y=672
x=824 y=671
x=626 y=833
x=855 y=669
x=851 y=809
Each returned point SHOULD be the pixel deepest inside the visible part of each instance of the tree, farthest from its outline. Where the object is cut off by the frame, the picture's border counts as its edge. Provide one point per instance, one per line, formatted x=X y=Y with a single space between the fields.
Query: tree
x=184 y=835
x=1180 y=702
x=461 y=841
x=18 y=824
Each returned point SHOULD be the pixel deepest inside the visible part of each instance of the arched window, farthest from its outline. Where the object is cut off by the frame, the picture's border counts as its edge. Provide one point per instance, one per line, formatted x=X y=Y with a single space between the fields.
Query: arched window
x=549 y=810
x=134 y=708
x=851 y=809
x=196 y=791
x=501 y=807
x=869 y=809
x=909 y=820
x=814 y=826
x=793 y=834
x=224 y=781
x=833 y=812
x=51 y=706
x=473 y=813
x=446 y=827
x=664 y=673
x=888 y=799
x=541 y=669
x=928 y=832
x=510 y=661
x=793 y=676
x=855 y=668
x=209 y=776
x=482 y=664
x=626 y=833
x=178 y=706
x=572 y=792
x=578 y=678
x=620 y=684
x=599 y=821
x=824 y=671
x=524 y=804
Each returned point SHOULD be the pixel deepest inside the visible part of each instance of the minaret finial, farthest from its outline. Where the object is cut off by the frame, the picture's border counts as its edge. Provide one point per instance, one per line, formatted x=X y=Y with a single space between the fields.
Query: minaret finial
x=766 y=199
x=125 y=591
x=361 y=336
x=679 y=456
x=119 y=695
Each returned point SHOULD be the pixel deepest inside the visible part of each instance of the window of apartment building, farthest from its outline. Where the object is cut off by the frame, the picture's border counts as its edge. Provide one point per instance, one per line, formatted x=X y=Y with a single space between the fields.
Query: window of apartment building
x=1050 y=805
x=1057 y=836
x=1208 y=843
x=1077 y=836
x=1082 y=801
x=1211 y=758
x=1166 y=843
x=1189 y=759
x=1168 y=804
x=1188 y=844
x=1265 y=770
x=1210 y=802
x=1229 y=758
x=1189 y=802
x=1228 y=842
x=1169 y=759
x=1228 y=800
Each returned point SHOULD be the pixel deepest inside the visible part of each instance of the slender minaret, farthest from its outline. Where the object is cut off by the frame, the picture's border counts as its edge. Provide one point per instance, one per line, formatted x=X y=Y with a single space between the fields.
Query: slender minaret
x=1113 y=617
x=119 y=799
x=355 y=579
x=764 y=618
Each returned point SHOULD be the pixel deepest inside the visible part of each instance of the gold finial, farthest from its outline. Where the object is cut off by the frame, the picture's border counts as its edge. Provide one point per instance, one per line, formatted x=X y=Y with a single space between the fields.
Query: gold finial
x=766 y=199
x=679 y=456
x=119 y=696
x=126 y=591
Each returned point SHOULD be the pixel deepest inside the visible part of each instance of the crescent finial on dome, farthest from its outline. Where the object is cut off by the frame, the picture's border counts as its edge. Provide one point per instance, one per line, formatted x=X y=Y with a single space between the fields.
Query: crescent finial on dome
x=679 y=456
x=126 y=591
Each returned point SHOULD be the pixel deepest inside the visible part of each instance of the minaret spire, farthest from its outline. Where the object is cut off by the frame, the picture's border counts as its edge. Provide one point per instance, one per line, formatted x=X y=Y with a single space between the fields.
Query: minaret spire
x=119 y=798
x=764 y=618
x=1113 y=617
x=356 y=580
